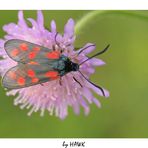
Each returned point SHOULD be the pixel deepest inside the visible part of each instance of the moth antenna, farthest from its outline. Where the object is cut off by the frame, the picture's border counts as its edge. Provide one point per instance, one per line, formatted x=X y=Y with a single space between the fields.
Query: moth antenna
x=60 y=81
x=56 y=40
x=85 y=48
x=77 y=54
x=57 y=43
x=101 y=52
x=101 y=89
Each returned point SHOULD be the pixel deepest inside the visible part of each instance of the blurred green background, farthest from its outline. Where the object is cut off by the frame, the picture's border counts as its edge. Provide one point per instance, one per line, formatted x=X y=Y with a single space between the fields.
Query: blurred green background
x=125 y=113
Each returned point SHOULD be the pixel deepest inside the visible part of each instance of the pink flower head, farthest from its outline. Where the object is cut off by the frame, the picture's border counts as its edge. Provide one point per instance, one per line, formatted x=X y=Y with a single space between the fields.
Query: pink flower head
x=52 y=96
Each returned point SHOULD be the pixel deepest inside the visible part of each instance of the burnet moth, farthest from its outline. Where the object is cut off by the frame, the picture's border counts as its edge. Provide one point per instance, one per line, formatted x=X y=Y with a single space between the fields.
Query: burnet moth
x=38 y=64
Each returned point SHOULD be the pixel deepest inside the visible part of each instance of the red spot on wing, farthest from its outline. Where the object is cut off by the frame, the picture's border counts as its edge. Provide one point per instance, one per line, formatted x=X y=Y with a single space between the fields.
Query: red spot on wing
x=53 y=55
x=36 y=48
x=23 y=46
x=14 y=52
x=12 y=75
x=32 y=55
x=35 y=80
x=52 y=74
x=21 y=81
x=31 y=73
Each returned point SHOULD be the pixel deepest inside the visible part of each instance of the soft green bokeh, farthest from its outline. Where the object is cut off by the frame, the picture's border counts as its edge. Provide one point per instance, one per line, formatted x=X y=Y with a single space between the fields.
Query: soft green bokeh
x=125 y=113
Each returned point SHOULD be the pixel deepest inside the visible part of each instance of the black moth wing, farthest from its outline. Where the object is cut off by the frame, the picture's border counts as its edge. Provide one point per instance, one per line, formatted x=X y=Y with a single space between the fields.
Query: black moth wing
x=24 y=75
x=24 y=51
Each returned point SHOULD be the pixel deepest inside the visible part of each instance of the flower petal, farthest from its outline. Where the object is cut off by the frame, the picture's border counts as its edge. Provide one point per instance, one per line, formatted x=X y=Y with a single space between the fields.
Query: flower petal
x=40 y=19
x=76 y=108
x=69 y=28
x=97 y=102
x=53 y=27
x=2 y=43
x=84 y=105
x=88 y=95
x=33 y=22
x=97 y=62
x=21 y=20
x=10 y=28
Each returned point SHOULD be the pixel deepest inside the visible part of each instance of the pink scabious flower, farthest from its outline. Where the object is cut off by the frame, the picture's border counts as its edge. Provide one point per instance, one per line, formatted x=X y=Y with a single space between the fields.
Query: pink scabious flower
x=52 y=96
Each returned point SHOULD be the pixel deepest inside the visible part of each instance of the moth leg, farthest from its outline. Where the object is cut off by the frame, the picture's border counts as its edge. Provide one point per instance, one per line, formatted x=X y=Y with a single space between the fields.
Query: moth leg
x=53 y=47
x=61 y=51
x=77 y=81
x=42 y=84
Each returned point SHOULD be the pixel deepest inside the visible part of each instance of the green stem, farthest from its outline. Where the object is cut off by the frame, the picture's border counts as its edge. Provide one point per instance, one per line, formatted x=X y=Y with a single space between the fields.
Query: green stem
x=98 y=13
